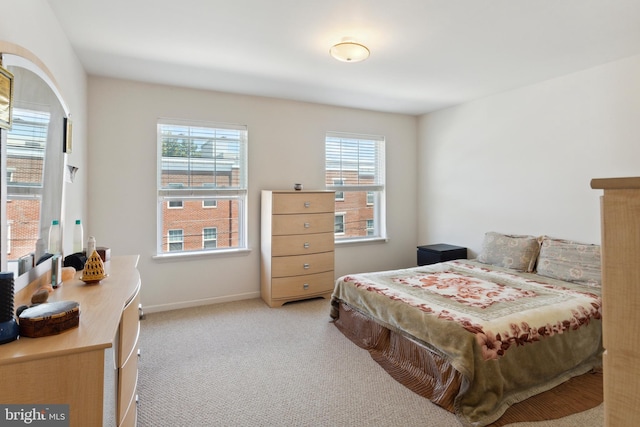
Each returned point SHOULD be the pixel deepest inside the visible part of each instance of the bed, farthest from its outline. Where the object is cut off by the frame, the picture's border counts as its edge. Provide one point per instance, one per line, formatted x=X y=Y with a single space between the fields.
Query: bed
x=476 y=336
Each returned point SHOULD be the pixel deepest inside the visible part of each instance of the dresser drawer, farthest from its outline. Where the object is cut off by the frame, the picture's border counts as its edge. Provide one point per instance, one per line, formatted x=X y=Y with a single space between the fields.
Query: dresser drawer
x=298 y=265
x=127 y=382
x=301 y=244
x=291 y=203
x=129 y=329
x=303 y=224
x=297 y=286
x=130 y=418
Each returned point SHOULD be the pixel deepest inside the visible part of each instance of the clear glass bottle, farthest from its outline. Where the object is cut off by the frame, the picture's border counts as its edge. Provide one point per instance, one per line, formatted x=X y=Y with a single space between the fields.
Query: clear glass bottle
x=78 y=237
x=55 y=235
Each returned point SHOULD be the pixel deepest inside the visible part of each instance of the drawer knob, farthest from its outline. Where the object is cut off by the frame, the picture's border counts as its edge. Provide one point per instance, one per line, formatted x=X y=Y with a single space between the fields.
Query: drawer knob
x=307 y=225
x=305 y=286
x=306 y=266
x=306 y=245
x=307 y=204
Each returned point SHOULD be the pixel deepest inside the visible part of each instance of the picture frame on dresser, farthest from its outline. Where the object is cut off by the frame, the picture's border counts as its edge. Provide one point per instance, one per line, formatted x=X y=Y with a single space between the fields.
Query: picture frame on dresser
x=6 y=97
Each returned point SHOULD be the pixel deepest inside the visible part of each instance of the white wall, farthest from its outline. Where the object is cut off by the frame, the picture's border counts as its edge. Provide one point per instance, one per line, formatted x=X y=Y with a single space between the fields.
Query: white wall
x=521 y=161
x=31 y=26
x=286 y=145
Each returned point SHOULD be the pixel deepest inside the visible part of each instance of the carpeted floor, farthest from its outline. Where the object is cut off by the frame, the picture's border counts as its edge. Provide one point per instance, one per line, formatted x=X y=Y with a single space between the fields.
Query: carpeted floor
x=245 y=364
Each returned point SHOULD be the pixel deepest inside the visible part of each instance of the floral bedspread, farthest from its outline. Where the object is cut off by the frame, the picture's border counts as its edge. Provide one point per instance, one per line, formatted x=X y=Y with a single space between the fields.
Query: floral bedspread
x=510 y=334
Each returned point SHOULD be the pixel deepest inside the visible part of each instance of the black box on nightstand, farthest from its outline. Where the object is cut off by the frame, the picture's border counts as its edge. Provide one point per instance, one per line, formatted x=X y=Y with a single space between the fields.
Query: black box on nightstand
x=441 y=252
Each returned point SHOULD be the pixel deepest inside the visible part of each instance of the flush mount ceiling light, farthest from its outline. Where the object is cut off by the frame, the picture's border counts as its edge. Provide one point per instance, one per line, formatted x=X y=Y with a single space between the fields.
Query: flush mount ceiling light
x=349 y=51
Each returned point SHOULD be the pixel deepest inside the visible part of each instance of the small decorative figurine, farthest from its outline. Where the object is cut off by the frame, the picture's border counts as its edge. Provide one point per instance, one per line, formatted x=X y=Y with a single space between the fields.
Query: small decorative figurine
x=93 y=269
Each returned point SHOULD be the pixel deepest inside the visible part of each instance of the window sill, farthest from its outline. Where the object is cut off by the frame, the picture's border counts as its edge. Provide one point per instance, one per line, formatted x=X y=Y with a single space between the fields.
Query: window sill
x=360 y=241
x=200 y=254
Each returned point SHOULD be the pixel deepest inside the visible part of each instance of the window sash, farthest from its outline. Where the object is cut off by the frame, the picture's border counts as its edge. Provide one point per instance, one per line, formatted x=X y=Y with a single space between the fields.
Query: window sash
x=355 y=160
x=228 y=218
x=201 y=155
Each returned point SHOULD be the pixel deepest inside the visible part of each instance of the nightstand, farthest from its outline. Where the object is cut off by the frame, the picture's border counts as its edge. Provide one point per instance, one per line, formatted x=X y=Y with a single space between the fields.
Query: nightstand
x=441 y=252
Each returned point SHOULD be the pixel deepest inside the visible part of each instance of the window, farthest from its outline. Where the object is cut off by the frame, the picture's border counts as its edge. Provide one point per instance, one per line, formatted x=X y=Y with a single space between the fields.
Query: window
x=339 y=224
x=339 y=194
x=26 y=156
x=370 y=197
x=176 y=240
x=9 y=237
x=201 y=166
x=354 y=169
x=209 y=238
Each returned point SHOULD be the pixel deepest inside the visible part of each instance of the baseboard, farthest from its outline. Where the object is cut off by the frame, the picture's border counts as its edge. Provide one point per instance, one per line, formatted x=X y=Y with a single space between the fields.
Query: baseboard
x=196 y=303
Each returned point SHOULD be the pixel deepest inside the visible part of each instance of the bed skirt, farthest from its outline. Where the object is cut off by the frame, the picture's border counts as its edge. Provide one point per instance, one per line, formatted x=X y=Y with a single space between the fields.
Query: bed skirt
x=411 y=363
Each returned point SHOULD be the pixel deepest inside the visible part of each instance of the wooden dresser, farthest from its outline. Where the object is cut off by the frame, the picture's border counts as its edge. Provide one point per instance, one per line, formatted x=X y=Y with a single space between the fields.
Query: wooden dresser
x=297 y=245
x=620 y=208
x=94 y=367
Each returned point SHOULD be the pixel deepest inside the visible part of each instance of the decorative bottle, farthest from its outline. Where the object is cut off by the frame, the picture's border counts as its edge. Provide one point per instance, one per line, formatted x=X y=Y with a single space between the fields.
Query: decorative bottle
x=54 y=238
x=91 y=246
x=78 y=239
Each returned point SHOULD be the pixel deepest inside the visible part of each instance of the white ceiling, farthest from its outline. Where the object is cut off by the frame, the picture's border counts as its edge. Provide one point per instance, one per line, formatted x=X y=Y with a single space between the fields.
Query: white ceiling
x=425 y=54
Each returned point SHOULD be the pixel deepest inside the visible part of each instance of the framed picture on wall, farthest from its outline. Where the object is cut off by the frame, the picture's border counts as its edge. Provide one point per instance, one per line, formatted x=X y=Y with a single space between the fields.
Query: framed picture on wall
x=6 y=98
x=68 y=128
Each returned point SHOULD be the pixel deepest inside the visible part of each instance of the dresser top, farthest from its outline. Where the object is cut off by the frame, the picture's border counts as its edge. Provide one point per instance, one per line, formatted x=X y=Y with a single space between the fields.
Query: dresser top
x=101 y=308
x=616 y=183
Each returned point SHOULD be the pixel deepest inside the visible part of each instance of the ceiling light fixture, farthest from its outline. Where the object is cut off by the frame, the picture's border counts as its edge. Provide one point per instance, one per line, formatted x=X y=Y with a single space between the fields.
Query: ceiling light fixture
x=349 y=51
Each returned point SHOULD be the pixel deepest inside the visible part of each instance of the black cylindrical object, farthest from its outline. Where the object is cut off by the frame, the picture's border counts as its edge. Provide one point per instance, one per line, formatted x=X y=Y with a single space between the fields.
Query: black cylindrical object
x=9 y=329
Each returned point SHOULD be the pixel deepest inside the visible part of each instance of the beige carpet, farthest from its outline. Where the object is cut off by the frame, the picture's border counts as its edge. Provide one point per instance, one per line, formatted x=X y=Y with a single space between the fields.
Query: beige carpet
x=245 y=364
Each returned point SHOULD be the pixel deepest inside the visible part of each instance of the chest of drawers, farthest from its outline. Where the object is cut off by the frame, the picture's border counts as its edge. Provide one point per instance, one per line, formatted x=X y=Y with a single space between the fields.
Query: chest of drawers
x=620 y=227
x=297 y=245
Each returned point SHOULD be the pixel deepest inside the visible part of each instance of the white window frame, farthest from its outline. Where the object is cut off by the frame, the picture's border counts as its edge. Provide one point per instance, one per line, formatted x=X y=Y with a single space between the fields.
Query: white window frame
x=192 y=189
x=358 y=162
